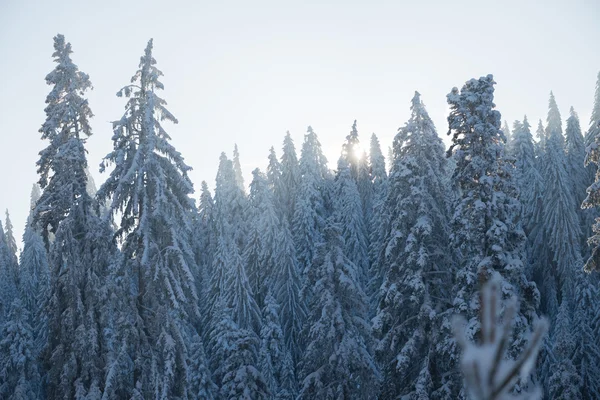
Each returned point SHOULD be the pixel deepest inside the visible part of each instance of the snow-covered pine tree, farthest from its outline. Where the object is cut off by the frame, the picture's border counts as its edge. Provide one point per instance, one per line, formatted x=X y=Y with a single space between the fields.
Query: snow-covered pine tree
x=66 y=127
x=9 y=265
x=417 y=260
x=350 y=152
x=237 y=168
x=285 y=192
x=310 y=208
x=34 y=277
x=239 y=295
x=338 y=362
x=230 y=203
x=8 y=285
x=593 y=131
x=205 y=242
x=592 y=162
x=485 y=226
x=19 y=374
x=351 y=221
x=529 y=179
x=379 y=221
x=286 y=290
x=199 y=377
x=82 y=250
x=273 y=171
x=275 y=360
x=10 y=239
x=540 y=145
x=234 y=359
x=565 y=382
x=560 y=219
x=33 y=265
x=508 y=136
x=264 y=227
x=591 y=165
x=575 y=153
x=150 y=189
x=586 y=315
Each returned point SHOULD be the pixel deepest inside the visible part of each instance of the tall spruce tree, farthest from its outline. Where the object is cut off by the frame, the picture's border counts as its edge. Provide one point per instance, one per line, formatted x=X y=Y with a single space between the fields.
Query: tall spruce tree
x=150 y=188
x=592 y=161
x=351 y=221
x=310 y=209
x=237 y=168
x=379 y=220
x=19 y=374
x=417 y=258
x=485 y=226
x=338 y=362
x=285 y=192
x=82 y=252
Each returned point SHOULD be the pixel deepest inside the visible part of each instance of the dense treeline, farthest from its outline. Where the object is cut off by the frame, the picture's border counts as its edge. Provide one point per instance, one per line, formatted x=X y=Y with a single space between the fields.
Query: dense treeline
x=317 y=283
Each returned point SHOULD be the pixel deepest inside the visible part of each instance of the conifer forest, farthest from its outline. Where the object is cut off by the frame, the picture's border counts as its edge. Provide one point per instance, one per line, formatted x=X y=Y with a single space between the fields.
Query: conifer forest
x=429 y=272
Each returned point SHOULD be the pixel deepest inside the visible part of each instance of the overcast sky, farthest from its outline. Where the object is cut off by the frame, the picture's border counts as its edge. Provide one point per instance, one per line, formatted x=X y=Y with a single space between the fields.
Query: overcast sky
x=245 y=72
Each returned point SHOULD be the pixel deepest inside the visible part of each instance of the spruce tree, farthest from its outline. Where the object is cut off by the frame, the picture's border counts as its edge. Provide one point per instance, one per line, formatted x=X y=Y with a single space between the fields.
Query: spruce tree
x=351 y=221
x=485 y=226
x=237 y=168
x=19 y=375
x=234 y=359
x=287 y=289
x=337 y=362
x=285 y=192
x=379 y=220
x=592 y=161
x=561 y=222
x=66 y=128
x=274 y=357
x=310 y=209
x=416 y=258
x=150 y=189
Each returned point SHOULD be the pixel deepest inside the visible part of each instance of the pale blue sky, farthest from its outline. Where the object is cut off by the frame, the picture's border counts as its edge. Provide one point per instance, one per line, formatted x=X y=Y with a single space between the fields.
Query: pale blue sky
x=245 y=72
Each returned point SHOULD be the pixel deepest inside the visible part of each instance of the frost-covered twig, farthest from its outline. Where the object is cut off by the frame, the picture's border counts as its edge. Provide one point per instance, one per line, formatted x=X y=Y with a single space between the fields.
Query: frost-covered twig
x=489 y=375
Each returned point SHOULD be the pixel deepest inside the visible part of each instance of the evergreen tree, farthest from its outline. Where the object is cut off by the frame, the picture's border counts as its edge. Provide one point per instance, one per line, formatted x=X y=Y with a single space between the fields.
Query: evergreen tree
x=234 y=360
x=10 y=239
x=199 y=378
x=66 y=127
x=273 y=171
x=540 y=146
x=337 y=362
x=379 y=220
x=565 y=383
x=417 y=254
x=286 y=290
x=310 y=208
x=19 y=376
x=592 y=160
x=264 y=227
x=285 y=192
x=508 y=137
x=82 y=251
x=351 y=220
x=237 y=168
x=587 y=352
x=559 y=210
x=150 y=189
x=485 y=225
x=592 y=132
x=275 y=359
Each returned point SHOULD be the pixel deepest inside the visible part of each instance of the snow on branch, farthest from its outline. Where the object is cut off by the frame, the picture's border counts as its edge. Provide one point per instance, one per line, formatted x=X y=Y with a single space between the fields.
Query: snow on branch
x=488 y=373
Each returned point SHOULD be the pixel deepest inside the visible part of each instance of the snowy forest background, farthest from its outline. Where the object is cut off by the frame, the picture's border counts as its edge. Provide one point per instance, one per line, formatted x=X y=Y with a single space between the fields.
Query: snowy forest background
x=318 y=282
